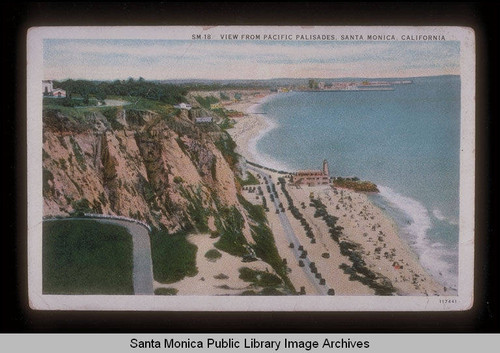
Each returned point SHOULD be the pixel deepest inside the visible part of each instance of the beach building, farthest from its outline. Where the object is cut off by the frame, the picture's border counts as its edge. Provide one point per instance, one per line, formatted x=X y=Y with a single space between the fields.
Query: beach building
x=312 y=177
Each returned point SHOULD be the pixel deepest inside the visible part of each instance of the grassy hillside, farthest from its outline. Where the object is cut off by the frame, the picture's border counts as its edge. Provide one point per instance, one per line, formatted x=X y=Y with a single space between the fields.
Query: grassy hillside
x=86 y=257
x=174 y=257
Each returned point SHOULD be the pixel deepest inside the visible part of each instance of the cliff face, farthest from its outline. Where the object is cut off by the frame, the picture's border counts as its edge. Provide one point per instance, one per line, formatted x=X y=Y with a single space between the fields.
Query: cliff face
x=140 y=164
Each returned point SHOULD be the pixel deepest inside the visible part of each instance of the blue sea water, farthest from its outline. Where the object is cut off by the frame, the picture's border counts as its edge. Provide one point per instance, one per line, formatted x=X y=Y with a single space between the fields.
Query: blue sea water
x=407 y=141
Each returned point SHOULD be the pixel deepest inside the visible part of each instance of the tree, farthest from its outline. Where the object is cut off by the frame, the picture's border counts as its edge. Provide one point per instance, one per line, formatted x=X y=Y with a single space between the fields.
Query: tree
x=313 y=84
x=101 y=96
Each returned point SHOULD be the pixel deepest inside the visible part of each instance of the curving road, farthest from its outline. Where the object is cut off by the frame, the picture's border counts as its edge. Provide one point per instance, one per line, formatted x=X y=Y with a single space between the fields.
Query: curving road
x=143 y=264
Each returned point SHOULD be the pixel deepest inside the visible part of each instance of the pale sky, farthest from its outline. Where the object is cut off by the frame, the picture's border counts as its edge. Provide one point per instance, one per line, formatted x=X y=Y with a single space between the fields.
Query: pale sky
x=98 y=59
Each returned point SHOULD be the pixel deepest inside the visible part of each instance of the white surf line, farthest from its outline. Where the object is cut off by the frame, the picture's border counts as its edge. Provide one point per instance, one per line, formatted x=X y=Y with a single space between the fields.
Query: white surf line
x=292 y=238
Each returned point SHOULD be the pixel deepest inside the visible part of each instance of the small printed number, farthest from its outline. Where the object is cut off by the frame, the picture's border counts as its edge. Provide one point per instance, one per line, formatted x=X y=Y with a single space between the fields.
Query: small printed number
x=447 y=301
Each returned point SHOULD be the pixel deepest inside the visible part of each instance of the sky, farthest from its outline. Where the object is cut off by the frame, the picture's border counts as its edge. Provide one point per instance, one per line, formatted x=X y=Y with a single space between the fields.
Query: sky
x=99 y=59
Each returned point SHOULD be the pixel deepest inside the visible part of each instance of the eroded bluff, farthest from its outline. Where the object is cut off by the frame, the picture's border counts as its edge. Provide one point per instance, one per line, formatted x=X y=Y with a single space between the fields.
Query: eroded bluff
x=140 y=164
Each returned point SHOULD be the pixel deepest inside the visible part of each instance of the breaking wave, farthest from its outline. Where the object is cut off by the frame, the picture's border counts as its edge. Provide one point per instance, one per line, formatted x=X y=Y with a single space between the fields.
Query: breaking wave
x=415 y=225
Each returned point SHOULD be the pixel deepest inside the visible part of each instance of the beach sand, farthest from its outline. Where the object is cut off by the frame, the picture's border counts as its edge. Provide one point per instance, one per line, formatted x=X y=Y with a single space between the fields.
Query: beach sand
x=383 y=251
x=205 y=282
x=364 y=224
x=249 y=128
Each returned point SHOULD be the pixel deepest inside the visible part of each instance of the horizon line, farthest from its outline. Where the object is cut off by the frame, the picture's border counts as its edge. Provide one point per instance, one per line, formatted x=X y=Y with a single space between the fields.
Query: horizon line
x=250 y=79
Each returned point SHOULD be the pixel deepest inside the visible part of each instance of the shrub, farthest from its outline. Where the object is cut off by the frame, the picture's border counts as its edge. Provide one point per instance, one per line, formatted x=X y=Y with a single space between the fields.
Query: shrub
x=198 y=213
x=174 y=257
x=256 y=212
x=213 y=255
x=111 y=114
x=229 y=223
x=78 y=154
x=46 y=177
x=250 y=180
x=221 y=276
x=166 y=291
x=260 y=278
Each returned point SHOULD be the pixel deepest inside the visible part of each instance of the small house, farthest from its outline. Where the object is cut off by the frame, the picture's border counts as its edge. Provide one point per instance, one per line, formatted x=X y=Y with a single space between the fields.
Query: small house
x=59 y=93
x=183 y=106
x=48 y=90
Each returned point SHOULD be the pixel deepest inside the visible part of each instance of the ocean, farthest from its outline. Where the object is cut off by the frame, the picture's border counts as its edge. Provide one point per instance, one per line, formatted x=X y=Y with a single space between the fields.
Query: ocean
x=407 y=141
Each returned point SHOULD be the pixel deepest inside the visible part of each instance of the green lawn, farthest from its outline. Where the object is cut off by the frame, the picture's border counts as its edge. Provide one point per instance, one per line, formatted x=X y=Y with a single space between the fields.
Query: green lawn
x=86 y=257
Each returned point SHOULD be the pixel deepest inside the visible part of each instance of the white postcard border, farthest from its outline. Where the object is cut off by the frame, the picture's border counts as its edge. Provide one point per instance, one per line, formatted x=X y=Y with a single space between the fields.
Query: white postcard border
x=39 y=301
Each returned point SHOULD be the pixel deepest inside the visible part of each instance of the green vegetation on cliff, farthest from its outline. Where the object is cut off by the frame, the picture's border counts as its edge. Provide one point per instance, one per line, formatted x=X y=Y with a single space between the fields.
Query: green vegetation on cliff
x=213 y=255
x=255 y=212
x=205 y=102
x=174 y=257
x=227 y=146
x=259 y=278
x=196 y=211
x=265 y=246
x=250 y=180
x=166 y=291
x=229 y=223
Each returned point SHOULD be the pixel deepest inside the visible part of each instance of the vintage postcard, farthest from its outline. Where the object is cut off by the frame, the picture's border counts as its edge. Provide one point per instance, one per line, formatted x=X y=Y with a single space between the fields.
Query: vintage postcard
x=251 y=168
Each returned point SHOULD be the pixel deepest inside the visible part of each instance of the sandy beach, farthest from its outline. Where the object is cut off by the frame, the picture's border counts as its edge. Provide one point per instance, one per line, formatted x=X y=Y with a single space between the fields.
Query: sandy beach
x=250 y=128
x=365 y=225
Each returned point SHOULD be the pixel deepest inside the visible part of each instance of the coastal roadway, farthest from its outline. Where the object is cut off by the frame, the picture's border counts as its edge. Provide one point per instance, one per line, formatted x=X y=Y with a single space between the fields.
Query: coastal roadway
x=142 y=262
x=292 y=237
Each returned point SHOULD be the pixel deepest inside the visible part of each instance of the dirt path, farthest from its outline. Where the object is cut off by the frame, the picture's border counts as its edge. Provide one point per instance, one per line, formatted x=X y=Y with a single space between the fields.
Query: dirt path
x=115 y=102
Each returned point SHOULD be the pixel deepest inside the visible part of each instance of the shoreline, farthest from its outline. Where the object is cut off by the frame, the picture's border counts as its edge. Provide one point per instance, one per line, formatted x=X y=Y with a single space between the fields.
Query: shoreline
x=249 y=129
x=400 y=265
x=413 y=233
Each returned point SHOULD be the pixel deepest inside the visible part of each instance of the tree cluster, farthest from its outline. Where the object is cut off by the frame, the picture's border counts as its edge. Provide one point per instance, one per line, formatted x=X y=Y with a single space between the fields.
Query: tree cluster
x=162 y=92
